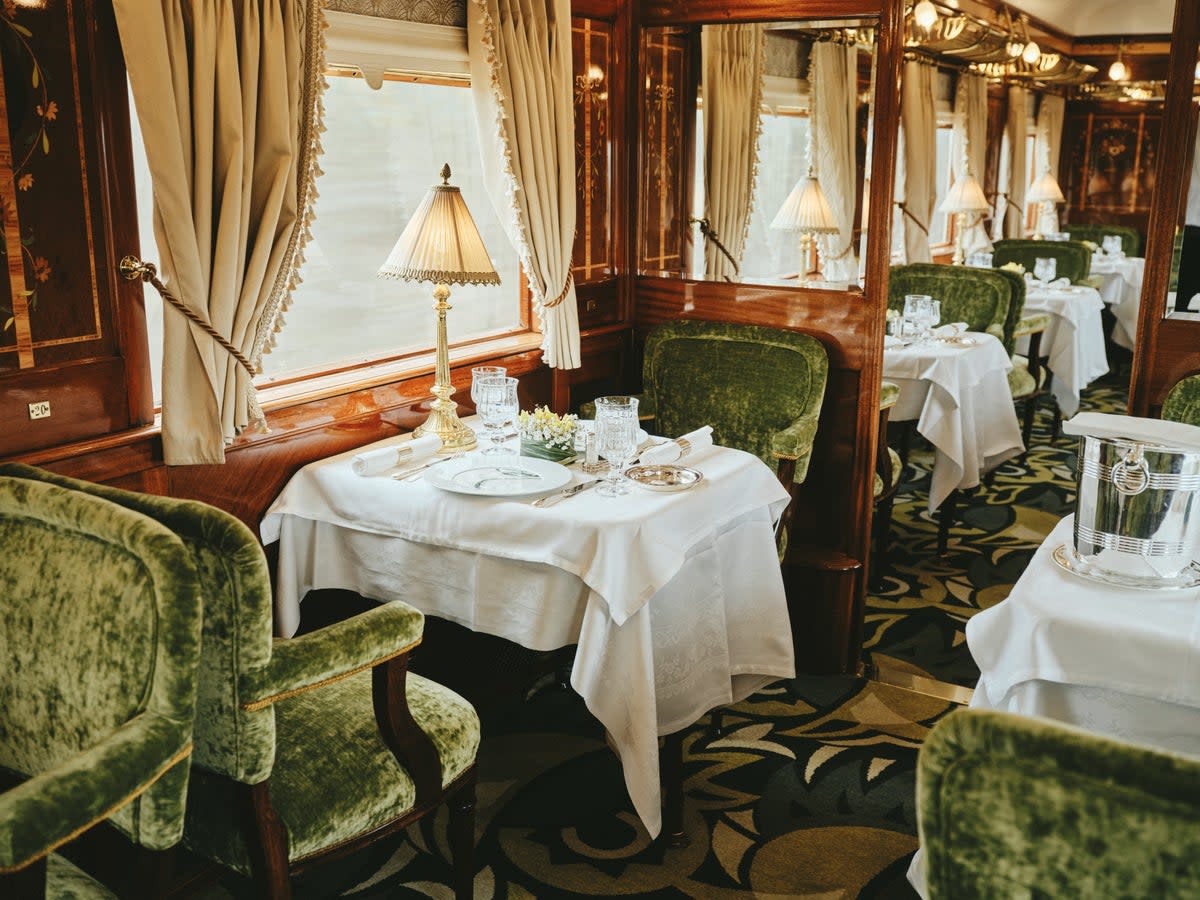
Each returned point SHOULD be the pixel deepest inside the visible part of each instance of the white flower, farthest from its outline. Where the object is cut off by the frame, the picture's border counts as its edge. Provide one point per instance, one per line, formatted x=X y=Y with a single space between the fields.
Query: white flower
x=545 y=427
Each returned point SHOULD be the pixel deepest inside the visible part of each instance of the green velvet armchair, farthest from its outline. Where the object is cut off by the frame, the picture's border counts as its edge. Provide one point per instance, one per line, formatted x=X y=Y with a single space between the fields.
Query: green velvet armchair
x=1009 y=807
x=1073 y=259
x=100 y=637
x=1131 y=238
x=980 y=297
x=309 y=747
x=1183 y=401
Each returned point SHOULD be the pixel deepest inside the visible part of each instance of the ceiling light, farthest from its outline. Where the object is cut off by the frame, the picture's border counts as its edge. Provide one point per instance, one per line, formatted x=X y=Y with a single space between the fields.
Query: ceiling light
x=925 y=14
x=1031 y=53
x=1015 y=48
x=1198 y=71
x=1118 y=71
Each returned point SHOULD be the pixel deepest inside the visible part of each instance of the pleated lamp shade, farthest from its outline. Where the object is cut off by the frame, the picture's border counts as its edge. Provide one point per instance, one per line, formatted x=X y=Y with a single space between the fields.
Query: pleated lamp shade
x=1045 y=190
x=806 y=209
x=441 y=243
x=965 y=196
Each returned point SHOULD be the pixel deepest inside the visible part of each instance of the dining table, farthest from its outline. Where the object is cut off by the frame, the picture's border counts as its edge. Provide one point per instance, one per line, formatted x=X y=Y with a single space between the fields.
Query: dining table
x=1119 y=661
x=957 y=391
x=1121 y=289
x=1073 y=342
x=673 y=600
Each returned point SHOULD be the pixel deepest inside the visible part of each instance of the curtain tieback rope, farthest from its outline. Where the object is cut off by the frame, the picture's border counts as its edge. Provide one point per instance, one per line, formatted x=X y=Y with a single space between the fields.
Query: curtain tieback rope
x=904 y=209
x=134 y=269
x=549 y=304
x=710 y=235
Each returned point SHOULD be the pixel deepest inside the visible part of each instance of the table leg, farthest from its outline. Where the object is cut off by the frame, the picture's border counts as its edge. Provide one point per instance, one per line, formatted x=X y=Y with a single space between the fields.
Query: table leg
x=672 y=783
x=946 y=514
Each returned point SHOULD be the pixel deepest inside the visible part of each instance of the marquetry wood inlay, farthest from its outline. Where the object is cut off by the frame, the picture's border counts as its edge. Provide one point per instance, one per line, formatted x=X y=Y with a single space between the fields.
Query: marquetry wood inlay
x=592 y=257
x=14 y=252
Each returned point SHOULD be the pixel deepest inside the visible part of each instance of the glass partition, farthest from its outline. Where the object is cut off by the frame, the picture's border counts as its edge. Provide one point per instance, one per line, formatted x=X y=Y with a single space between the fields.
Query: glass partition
x=753 y=163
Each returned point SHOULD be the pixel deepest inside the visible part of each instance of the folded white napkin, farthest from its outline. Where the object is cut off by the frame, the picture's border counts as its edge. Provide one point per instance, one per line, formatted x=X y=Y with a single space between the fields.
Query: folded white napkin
x=951 y=329
x=1056 y=283
x=373 y=462
x=690 y=445
x=1178 y=435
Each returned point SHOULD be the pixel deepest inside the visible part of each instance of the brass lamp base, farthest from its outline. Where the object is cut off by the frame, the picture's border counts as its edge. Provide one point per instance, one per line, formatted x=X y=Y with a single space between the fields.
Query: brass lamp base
x=443 y=416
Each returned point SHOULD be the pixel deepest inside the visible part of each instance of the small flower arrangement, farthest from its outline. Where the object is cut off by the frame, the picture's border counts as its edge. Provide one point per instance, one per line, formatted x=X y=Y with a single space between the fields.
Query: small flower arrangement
x=545 y=435
x=892 y=314
x=1014 y=267
x=1091 y=245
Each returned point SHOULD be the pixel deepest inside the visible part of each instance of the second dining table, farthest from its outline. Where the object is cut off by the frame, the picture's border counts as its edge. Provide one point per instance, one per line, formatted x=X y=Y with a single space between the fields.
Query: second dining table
x=1073 y=341
x=675 y=601
x=957 y=391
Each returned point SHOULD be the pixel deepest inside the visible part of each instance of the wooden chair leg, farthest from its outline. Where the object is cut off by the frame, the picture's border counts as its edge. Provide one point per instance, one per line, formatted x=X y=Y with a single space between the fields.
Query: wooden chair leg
x=29 y=882
x=1027 y=423
x=906 y=441
x=716 y=724
x=151 y=873
x=267 y=843
x=462 y=840
x=672 y=782
x=946 y=514
x=883 y=540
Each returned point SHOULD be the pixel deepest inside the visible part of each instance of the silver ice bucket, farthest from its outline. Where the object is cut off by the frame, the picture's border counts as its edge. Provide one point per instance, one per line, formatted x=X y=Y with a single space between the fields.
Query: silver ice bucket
x=1137 y=507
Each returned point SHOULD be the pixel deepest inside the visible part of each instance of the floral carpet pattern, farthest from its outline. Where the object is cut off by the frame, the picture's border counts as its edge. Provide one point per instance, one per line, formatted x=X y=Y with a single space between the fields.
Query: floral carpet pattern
x=809 y=791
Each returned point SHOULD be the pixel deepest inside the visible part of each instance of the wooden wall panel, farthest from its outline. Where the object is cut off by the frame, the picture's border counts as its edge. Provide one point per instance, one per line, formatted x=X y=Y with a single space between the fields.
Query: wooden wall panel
x=1108 y=161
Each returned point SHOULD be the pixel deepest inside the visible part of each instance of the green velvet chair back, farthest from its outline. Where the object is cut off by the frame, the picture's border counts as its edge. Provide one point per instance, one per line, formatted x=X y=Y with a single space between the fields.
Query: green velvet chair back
x=1074 y=259
x=980 y=297
x=1016 y=306
x=1183 y=401
x=1009 y=806
x=1131 y=238
x=100 y=642
x=747 y=381
x=233 y=574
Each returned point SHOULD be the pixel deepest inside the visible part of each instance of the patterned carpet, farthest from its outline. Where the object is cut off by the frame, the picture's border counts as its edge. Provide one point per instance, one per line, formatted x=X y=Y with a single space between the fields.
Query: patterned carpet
x=809 y=793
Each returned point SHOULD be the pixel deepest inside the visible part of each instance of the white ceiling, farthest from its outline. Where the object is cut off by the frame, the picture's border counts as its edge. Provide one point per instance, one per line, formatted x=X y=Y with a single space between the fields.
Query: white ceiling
x=1085 y=17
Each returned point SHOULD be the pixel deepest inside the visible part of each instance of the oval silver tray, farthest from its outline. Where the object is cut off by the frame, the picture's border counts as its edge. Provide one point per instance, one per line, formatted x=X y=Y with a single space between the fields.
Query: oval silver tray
x=664 y=478
x=1066 y=558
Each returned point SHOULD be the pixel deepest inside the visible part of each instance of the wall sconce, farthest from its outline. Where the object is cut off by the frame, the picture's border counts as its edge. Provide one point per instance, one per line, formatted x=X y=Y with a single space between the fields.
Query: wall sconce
x=1118 y=71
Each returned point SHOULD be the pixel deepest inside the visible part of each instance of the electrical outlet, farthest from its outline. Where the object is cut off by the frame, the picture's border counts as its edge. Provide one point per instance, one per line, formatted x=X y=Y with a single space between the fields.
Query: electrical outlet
x=39 y=410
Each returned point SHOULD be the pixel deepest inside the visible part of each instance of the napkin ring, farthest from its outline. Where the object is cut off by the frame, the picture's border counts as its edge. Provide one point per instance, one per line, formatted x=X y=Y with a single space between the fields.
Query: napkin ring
x=685 y=446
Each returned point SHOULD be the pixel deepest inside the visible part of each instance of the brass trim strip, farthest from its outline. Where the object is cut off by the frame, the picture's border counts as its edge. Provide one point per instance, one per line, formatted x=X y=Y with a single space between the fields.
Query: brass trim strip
x=108 y=813
x=255 y=705
x=12 y=240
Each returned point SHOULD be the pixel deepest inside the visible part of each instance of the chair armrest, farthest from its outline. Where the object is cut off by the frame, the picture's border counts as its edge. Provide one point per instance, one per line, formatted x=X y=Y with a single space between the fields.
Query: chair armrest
x=795 y=443
x=889 y=394
x=1032 y=323
x=334 y=652
x=56 y=806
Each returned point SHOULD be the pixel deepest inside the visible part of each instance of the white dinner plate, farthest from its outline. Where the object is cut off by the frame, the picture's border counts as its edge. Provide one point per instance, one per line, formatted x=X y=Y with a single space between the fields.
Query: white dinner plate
x=499 y=476
x=590 y=425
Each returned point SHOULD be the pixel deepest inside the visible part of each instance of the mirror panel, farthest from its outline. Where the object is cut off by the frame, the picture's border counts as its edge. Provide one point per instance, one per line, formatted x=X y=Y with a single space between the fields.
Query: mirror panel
x=1183 y=289
x=714 y=209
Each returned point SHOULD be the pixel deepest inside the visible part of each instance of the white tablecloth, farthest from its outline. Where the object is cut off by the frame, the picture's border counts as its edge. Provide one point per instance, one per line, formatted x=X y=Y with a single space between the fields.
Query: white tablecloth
x=1120 y=662
x=675 y=601
x=1074 y=340
x=1121 y=288
x=963 y=406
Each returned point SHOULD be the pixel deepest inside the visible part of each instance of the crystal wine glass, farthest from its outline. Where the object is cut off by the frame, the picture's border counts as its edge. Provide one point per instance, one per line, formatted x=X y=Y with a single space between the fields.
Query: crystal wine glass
x=1045 y=268
x=616 y=439
x=916 y=309
x=480 y=372
x=498 y=407
x=1111 y=245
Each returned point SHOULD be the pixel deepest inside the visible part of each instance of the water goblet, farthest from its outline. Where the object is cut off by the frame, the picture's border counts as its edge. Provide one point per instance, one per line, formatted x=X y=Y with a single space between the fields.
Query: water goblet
x=1045 y=268
x=478 y=373
x=916 y=309
x=498 y=407
x=616 y=439
x=933 y=315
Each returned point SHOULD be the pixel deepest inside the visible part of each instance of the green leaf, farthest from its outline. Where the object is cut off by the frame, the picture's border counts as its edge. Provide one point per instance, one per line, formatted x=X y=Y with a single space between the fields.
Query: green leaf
x=45 y=143
x=8 y=324
x=20 y=29
x=25 y=293
x=37 y=76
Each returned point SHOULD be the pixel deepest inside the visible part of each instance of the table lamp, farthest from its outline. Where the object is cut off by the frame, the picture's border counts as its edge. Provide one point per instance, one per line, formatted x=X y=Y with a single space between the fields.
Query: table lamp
x=1046 y=193
x=806 y=211
x=965 y=197
x=441 y=244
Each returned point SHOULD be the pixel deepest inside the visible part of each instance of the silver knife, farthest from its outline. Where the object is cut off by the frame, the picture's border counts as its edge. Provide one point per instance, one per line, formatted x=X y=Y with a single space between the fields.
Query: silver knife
x=571 y=491
x=416 y=470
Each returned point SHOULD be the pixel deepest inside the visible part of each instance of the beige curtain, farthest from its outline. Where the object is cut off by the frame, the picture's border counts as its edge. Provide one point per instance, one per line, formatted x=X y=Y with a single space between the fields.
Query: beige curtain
x=228 y=98
x=833 y=79
x=1010 y=209
x=1051 y=112
x=521 y=80
x=918 y=118
x=732 y=58
x=970 y=142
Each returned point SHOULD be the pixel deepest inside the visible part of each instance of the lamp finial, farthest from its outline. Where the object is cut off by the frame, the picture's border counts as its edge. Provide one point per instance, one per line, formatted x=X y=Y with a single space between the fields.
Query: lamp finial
x=445 y=173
